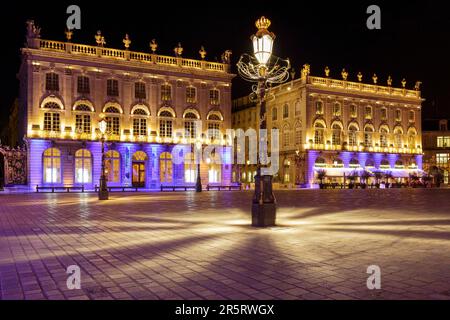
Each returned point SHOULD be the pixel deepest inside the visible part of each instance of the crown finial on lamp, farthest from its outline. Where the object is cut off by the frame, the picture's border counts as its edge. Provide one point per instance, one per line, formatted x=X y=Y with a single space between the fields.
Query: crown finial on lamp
x=360 y=76
x=375 y=78
x=126 y=42
x=202 y=53
x=389 y=81
x=263 y=23
x=327 y=71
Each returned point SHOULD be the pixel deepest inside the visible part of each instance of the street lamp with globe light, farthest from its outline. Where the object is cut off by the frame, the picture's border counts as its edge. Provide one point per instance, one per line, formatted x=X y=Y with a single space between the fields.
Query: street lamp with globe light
x=103 y=188
x=265 y=69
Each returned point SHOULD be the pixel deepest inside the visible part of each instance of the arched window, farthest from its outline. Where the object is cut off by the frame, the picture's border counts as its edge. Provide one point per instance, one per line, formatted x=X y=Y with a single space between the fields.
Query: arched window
x=298 y=134
x=336 y=136
x=398 y=132
x=82 y=118
x=368 y=132
x=286 y=111
x=370 y=163
x=165 y=167
x=52 y=165
x=190 y=168
x=274 y=114
x=165 y=124
x=112 y=120
x=399 y=164
x=214 y=168
x=140 y=156
x=383 y=137
x=338 y=163
x=52 y=120
x=354 y=163
x=189 y=125
x=319 y=107
x=83 y=166
x=318 y=133
x=352 y=140
x=384 y=164
x=112 y=166
x=320 y=162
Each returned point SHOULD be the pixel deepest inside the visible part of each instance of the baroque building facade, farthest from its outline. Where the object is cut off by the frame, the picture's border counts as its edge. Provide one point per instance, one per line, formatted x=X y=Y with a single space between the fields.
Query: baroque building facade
x=151 y=104
x=340 y=127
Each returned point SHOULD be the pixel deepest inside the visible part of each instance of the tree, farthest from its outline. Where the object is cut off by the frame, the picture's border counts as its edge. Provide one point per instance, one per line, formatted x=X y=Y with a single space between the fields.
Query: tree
x=321 y=174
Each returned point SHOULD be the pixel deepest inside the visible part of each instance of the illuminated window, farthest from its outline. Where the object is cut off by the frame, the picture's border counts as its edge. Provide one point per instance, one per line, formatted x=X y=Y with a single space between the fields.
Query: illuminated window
x=214 y=170
x=52 y=165
x=336 y=136
x=352 y=141
x=383 y=137
x=214 y=97
x=354 y=163
x=298 y=135
x=112 y=88
x=411 y=116
x=191 y=95
x=442 y=159
x=412 y=140
x=398 y=138
x=319 y=107
x=285 y=111
x=274 y=114
x=398 y=115
x=368 y=112
x=165 y=167
x=286 y=136
x=353 y=111
x=112 y=166
x=166 y=92
x=83 y=166
x=318 y=133
x=368 y=131
x=139 y=126
x=383 y=113
x=51 y=82
x=139 y=90
x=190 y=168
x=337 y=109
x=214 y=130
x=443 y=142
x=112 y=125
x=52 y=121
x=83 y=123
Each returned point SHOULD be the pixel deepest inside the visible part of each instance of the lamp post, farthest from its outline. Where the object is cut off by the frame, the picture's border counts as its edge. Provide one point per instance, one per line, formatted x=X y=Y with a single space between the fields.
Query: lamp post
x=265 y=69
x=103 y=189
x=198 y=183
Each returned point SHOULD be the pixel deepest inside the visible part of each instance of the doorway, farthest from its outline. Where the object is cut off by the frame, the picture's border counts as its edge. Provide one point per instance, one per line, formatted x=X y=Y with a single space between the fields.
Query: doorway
x=139 y=174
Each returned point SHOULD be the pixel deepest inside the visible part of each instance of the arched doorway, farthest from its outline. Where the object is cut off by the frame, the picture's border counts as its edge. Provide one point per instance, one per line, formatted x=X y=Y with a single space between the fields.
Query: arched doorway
x=138 y=168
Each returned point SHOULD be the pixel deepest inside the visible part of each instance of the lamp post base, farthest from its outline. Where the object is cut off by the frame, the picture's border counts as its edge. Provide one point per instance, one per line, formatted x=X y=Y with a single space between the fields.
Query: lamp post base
x=103 y=195
x=264 y=215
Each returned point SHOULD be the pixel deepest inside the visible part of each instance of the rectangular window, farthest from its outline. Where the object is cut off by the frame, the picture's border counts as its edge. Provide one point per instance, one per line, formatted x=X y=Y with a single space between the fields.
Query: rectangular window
x=112 y=88
x=52 y=122
x=298 y=137
x=140 y=127
x=83 y=123
x=353 y=111
x=442 y=159
x=337 y=110
x=443 y=142
x=51 y=82
x=191 y=95
x=189 y=129
x=411 y=116
x=139 y=90
x=398 y=115
x=214 y=131
x=166 y=92
x=113 y=125
x=83 y=85
x=383 y=114
x=368 y=113
x=165 y=128
x=214 y=97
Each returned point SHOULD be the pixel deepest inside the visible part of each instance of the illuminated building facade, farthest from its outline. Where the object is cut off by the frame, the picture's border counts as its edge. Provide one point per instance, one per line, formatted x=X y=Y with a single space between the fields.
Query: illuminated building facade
x=436 y=147
x=151 y=103
x=341 y=127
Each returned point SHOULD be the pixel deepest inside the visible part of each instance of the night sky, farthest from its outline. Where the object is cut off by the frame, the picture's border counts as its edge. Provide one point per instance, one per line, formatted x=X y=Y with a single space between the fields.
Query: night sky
x=414 y=41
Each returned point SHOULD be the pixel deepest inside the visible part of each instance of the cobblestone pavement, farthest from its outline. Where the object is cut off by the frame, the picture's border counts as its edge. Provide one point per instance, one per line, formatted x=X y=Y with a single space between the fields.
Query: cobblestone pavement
x=200 y=246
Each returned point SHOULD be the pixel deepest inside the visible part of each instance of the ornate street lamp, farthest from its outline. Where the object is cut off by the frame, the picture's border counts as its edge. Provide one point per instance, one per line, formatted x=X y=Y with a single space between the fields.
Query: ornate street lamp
x=265 y=69
x=198 y=183
x=103 y=189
